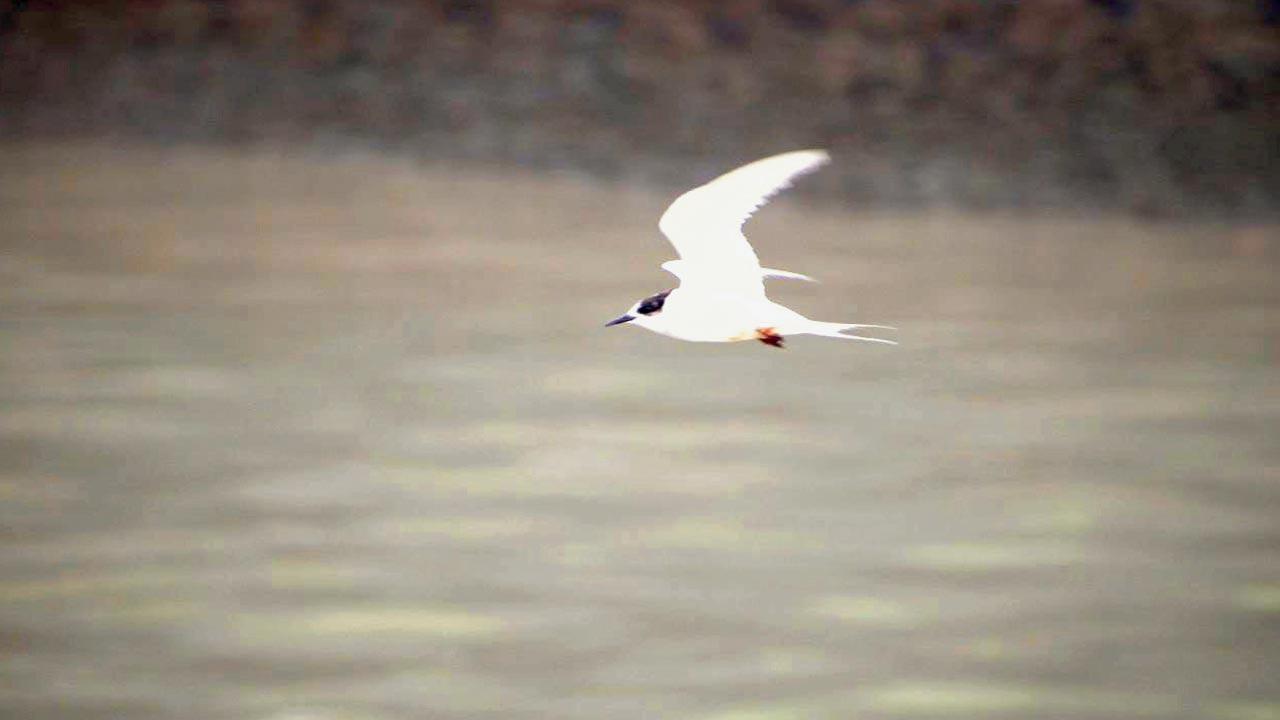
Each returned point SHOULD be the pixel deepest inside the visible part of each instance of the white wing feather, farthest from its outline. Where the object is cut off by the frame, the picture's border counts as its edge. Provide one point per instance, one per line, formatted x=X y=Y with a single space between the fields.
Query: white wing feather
x=705 y=224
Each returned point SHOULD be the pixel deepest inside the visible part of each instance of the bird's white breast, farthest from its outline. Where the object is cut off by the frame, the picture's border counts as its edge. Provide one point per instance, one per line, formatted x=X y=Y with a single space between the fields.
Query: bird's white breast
x=709 y=317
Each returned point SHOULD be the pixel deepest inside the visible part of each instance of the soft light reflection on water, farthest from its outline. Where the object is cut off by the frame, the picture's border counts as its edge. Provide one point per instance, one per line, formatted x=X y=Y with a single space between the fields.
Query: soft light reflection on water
x=304 y=437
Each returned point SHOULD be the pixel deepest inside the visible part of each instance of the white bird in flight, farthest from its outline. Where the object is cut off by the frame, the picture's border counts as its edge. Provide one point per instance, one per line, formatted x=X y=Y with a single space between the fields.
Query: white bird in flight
x=721 y=294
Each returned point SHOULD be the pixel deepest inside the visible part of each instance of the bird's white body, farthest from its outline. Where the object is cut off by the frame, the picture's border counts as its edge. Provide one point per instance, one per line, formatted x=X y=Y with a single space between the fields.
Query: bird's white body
x=721 y=296
x=697 y=316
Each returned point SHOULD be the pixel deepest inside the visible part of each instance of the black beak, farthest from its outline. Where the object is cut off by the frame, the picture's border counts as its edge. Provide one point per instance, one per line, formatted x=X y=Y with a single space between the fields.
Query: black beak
x=619 y=321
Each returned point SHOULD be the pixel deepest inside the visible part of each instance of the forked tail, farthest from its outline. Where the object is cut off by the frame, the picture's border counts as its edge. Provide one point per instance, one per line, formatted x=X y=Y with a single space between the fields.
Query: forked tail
x=837 y=330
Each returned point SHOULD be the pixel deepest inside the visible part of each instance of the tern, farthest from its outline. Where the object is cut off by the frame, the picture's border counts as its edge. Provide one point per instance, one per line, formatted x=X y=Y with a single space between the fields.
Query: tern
x=721 y=293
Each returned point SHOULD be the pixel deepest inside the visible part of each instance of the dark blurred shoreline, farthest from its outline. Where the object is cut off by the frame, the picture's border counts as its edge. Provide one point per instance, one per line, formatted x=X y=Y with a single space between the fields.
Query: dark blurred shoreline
x=1161 y=108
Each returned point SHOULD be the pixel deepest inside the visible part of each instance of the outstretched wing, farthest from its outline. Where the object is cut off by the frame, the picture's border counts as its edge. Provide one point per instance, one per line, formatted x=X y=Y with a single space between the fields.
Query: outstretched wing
x=705 y=224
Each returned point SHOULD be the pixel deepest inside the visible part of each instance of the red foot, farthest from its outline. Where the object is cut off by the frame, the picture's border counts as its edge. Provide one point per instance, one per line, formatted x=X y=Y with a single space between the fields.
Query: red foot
x=769 y=337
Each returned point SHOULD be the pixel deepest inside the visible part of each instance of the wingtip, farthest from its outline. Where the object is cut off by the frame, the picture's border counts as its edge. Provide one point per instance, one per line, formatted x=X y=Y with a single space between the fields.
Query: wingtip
x=775 y=274
x=811 y=156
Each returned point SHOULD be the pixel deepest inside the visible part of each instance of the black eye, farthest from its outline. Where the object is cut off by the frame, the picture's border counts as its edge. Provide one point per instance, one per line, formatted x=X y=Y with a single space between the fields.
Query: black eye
x=653 y=304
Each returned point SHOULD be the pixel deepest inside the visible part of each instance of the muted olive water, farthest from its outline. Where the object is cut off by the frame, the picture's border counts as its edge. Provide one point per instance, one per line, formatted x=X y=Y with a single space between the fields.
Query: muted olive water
x=343 y=438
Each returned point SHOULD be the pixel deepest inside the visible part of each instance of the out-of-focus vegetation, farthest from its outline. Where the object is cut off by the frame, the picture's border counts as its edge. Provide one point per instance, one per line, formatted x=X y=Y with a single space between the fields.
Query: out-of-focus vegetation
x=1163 y=106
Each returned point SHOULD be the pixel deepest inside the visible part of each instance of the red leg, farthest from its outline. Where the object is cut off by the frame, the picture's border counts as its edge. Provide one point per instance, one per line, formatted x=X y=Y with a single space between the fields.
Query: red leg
x=769 y=337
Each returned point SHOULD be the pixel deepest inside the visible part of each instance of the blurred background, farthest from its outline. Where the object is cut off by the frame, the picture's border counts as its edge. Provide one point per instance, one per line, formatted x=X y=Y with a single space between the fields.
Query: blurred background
x=306 y=412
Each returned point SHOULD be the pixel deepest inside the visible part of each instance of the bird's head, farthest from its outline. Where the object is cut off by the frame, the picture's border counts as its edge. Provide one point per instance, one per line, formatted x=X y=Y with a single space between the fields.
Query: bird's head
x=644 y=312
